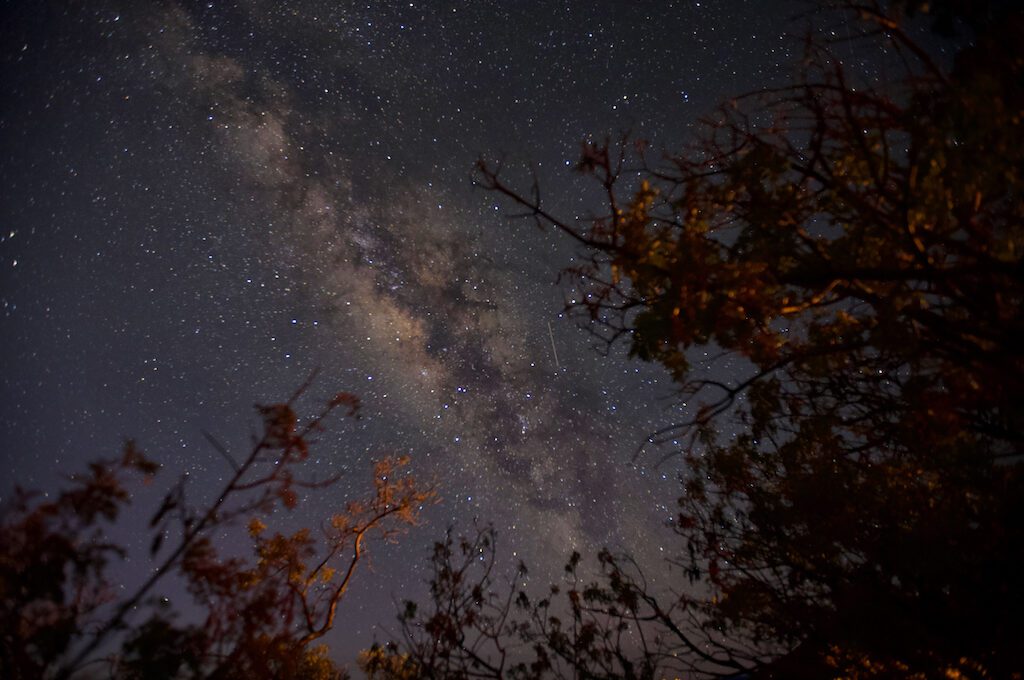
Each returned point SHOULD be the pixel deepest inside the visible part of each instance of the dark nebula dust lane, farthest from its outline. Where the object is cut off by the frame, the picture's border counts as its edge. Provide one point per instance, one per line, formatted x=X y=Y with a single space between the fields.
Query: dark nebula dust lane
x=204 y=201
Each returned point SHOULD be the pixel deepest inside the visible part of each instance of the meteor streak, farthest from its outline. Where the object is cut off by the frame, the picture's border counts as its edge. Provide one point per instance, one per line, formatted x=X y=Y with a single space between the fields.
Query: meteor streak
x=553 y=350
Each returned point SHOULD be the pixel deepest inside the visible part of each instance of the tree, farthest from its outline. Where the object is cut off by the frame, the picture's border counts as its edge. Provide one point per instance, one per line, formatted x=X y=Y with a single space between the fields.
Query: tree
x=60 y=616
x=610 y=626
x=849 y=253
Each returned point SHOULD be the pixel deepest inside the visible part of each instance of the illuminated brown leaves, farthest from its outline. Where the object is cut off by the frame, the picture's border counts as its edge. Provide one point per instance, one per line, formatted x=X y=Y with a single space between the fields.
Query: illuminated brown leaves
x=259 y=616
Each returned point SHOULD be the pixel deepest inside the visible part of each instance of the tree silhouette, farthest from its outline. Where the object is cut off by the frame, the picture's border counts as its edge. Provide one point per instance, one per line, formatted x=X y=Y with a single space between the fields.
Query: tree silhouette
x=847 y=250
x=61 y=618
x=608 y=626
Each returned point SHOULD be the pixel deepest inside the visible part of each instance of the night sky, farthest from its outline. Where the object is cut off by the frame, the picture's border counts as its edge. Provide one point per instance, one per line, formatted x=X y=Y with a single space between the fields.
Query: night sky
x=203 y=202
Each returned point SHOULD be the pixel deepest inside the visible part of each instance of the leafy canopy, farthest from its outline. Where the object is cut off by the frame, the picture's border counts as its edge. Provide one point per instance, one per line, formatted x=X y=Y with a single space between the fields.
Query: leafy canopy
x=62 y=617
x=848 y=251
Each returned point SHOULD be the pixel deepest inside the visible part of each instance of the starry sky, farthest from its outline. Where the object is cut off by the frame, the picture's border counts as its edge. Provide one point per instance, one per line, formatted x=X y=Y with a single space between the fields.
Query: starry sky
x=204 y=201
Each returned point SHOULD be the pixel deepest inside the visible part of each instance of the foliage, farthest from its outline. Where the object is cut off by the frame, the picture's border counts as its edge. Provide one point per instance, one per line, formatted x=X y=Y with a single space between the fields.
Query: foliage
x=468 y=630
x=608 y=626
x=62 y=616
x=848 y=250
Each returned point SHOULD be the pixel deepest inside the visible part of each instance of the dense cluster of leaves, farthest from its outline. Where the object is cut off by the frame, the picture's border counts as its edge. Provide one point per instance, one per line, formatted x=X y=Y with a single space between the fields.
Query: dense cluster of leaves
x=849 y=253
x=62 y=617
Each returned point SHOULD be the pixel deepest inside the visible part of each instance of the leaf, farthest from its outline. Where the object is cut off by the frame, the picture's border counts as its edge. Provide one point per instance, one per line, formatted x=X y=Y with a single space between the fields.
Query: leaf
x=255 y=527
x=348 y=400
x=154 y=546
x=169 y=503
